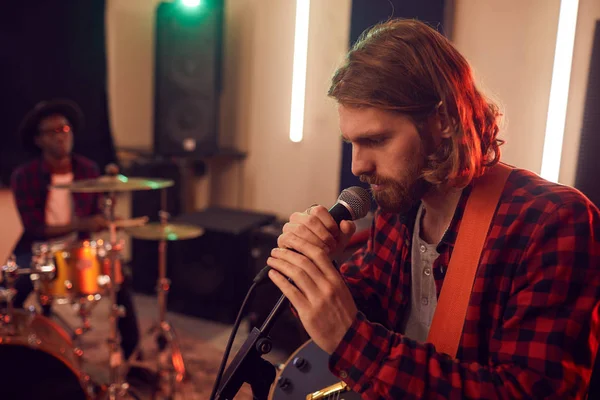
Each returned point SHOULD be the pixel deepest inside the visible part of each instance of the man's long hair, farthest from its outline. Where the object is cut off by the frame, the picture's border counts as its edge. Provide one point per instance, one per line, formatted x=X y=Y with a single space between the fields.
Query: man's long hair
x=406 y=66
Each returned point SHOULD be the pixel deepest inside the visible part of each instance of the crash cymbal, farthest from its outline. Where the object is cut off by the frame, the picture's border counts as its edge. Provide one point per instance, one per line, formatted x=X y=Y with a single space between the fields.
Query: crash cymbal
x=157 y=231
x=118 y=183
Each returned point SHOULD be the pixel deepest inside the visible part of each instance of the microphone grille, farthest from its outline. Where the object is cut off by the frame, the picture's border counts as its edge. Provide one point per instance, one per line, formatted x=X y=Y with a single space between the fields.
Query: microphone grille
x=358 y=199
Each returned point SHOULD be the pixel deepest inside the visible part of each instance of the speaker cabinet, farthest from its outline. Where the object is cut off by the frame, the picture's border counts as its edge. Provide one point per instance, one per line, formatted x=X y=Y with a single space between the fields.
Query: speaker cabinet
x=187 y=78
x=211 y=274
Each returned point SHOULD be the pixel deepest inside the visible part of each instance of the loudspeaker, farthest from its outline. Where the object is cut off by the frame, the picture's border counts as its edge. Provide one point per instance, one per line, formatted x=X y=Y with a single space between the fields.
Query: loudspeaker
x=211 y=274
x=187 y=78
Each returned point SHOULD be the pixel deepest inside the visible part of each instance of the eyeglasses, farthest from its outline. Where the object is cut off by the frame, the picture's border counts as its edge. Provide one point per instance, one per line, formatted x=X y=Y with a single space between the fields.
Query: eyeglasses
x=60 y=129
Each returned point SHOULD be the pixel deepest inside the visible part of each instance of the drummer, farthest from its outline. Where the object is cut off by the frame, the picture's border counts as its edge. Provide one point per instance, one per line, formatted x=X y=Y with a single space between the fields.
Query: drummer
x=57 y=215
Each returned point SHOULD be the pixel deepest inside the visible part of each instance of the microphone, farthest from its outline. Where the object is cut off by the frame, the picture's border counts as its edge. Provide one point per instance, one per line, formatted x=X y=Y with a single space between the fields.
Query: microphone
x=352 y=204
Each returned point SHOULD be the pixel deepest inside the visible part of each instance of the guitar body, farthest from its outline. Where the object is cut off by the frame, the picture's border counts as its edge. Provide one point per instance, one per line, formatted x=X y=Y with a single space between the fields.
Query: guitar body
x=305 y=372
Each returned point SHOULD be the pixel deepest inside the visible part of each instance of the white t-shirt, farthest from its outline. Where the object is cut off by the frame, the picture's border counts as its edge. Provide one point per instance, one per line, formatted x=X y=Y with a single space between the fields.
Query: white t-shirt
x=59 y=204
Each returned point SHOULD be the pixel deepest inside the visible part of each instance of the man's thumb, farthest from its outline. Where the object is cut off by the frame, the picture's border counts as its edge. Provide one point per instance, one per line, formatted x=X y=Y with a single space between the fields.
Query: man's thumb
x=347 y=229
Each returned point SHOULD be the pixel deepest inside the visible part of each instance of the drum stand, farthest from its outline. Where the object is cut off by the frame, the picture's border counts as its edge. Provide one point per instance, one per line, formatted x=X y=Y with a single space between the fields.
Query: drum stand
x=117 y=388
x=165 y=334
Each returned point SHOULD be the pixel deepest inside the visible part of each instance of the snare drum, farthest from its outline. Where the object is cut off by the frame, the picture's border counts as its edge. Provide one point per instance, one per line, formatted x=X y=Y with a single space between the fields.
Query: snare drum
x=82 y=269
x=39 y=361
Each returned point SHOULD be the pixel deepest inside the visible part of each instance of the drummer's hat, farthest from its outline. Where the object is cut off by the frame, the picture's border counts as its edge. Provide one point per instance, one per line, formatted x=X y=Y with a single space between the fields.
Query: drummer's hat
x=28 y=130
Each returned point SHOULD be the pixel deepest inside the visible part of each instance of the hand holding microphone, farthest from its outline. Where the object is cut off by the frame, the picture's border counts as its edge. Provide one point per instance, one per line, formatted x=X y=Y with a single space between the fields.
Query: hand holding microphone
x=319 y=294
x=328 y=229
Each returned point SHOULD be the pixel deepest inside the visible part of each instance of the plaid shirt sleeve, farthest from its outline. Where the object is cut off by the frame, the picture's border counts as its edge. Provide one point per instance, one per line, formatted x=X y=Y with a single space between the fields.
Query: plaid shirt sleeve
x=543 y=347
x=26 y=186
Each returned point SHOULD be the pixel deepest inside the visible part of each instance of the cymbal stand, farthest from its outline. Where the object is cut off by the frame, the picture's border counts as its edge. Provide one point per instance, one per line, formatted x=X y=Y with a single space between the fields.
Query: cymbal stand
x=163 y=285
x=117 y=388
x=166 y=334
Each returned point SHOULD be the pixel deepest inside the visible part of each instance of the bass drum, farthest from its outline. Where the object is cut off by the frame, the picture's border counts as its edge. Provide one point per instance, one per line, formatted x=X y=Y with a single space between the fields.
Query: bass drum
x=306 y=376
x=38 y=361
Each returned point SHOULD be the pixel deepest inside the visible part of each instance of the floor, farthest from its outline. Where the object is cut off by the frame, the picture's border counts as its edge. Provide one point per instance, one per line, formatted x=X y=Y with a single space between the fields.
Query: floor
x=202 y=343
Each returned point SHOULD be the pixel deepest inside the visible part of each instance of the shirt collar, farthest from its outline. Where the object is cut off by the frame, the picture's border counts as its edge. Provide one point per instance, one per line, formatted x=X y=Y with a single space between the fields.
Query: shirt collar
x=46 y=170
x=449 y=239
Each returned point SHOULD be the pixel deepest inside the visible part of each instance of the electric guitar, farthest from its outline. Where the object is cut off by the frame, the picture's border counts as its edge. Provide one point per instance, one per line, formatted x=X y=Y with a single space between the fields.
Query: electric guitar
x=305 y=376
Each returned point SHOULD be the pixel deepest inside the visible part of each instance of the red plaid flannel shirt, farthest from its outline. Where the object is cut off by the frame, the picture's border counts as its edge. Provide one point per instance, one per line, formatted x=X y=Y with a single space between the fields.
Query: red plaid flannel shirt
x=29 y=184
x=532 y=324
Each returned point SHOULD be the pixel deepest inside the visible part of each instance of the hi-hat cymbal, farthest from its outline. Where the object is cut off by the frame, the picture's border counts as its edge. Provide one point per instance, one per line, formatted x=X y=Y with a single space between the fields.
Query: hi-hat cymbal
x=157 y=231
x=118 y=183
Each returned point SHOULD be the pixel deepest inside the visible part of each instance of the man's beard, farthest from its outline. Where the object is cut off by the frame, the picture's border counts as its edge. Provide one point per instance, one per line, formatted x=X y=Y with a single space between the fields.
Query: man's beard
x=399 y=197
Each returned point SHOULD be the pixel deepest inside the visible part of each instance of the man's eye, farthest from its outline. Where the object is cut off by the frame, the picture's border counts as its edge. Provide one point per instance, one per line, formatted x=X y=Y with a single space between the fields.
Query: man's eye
x=375 y=142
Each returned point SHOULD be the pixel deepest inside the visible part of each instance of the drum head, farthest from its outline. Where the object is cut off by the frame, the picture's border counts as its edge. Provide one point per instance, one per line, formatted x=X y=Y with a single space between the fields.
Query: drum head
x=27 y=373
x=37 y=361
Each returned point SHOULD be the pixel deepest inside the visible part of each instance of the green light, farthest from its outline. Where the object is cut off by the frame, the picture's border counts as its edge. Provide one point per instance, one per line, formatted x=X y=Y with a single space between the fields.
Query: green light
x=171 y=236
x=190 y=3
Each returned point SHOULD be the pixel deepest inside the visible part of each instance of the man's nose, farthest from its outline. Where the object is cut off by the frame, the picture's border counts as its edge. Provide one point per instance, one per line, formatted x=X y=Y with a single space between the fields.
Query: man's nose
x=362 y=163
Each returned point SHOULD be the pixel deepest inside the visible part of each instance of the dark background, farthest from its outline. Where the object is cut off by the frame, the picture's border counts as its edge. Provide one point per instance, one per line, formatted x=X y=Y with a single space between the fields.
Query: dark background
x=52 y=49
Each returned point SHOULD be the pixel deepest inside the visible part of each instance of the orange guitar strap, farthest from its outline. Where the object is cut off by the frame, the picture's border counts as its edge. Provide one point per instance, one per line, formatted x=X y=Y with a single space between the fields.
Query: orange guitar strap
x=449 y=318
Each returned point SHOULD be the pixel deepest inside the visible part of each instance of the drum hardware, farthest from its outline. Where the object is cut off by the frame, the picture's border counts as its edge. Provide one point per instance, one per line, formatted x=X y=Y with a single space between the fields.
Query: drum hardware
x=117 y=388
x=84 y=309
x=118 y=183
x=109 y=186
x=38 y=347
x=51 y=283
x=114 y=184
x=169 y=232
x=22 y=329
x=10 y=273
x=165 y=334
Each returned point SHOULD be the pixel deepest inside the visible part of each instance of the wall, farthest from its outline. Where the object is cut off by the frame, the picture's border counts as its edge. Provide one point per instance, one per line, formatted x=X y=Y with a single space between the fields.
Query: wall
x=130 y=59
x=278 y=176
x=589 y=13
x=510 y=45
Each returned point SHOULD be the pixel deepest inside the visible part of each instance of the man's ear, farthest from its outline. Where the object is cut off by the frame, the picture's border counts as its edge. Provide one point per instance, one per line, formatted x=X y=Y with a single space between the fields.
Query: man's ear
x=443 y=122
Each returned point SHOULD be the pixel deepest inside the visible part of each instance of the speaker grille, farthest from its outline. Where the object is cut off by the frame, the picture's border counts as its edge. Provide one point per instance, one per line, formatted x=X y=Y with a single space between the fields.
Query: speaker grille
x=188 y=52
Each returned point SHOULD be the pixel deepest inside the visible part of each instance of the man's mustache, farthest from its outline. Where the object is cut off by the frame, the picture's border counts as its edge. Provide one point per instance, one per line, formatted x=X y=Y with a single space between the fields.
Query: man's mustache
x=372 y=180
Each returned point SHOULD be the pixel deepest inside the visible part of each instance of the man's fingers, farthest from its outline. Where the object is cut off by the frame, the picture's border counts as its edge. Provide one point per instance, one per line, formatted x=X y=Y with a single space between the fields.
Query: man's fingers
x=298 y=300
x=326 y=241
x=302 y=277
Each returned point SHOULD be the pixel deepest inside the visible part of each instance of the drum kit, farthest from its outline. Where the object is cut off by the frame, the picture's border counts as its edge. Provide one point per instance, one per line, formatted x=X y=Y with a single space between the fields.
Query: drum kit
x=80 y=273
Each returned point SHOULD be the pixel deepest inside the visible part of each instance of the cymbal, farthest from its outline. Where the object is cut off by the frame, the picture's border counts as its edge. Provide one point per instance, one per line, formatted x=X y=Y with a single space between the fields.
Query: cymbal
x=118 y=183
x=157 y=231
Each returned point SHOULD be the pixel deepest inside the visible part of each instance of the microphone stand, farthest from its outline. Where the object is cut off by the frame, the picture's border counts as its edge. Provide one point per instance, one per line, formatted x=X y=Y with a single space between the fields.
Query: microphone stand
x=248 y=366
